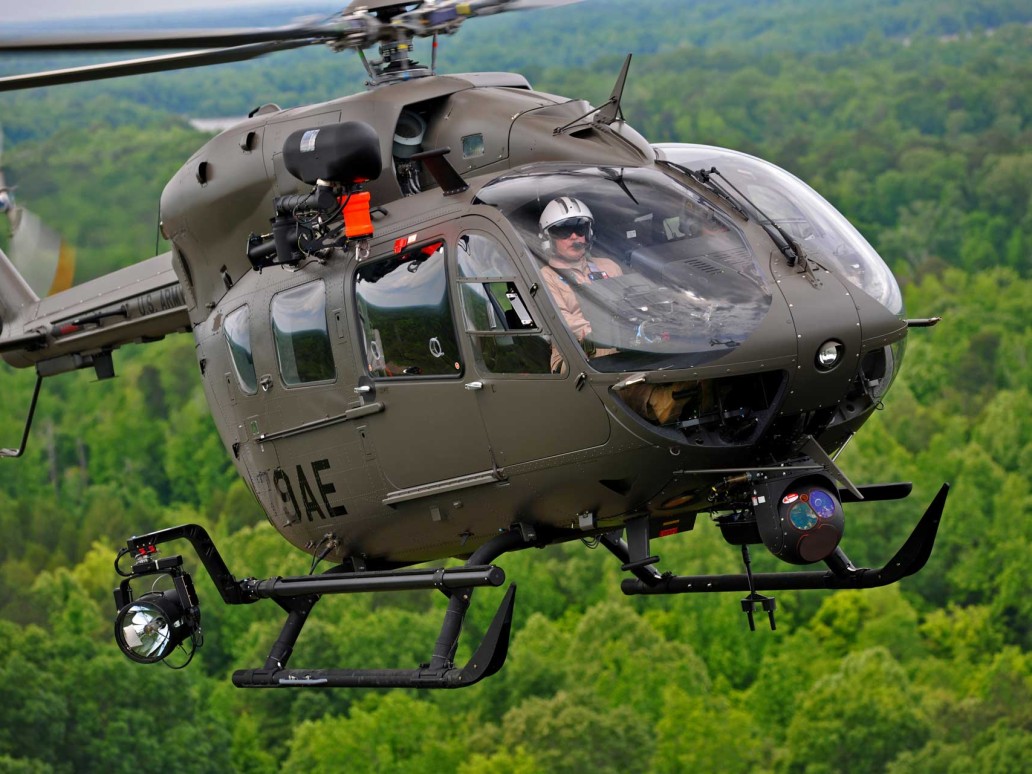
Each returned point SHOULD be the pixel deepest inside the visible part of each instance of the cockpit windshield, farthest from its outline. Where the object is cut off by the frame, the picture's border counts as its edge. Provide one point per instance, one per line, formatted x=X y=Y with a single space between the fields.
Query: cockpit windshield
x=824 y=233
x=645 y=273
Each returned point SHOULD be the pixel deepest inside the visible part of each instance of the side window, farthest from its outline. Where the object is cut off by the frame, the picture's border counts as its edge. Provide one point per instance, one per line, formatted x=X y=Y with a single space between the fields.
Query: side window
x=237 y=329
x=495 y=306
x=405 y=315
x=302 y=339
x=480 y=256
x=505 y=334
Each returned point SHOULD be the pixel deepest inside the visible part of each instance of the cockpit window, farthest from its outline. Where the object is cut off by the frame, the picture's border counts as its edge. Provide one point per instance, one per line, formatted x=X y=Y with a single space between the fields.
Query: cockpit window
x=302 y=339
x=645 y=273
x=237 y=329
x=480 y=256
x=824 y=234
x=405 y=315
x=498 y=319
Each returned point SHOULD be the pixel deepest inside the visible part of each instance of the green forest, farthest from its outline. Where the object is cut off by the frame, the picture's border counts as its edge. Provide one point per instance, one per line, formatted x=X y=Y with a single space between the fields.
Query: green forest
x=913 y=117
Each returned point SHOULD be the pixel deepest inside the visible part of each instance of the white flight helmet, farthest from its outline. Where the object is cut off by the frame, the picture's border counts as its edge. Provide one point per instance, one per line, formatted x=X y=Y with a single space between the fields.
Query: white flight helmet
x=563 y=209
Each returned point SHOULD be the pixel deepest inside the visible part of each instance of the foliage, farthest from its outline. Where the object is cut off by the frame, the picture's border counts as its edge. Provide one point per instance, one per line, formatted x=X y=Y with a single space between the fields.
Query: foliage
x=910 y=117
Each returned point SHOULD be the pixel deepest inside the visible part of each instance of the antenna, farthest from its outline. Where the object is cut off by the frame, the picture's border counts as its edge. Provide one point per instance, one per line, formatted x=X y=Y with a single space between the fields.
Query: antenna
x=609 y=112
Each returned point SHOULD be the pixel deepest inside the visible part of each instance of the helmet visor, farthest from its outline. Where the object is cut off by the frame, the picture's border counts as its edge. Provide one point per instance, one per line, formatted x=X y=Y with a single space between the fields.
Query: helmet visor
x=567 y=228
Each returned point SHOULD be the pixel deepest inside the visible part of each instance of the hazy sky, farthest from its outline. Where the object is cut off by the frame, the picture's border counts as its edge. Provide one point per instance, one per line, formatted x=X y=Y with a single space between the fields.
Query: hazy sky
x=36 y=10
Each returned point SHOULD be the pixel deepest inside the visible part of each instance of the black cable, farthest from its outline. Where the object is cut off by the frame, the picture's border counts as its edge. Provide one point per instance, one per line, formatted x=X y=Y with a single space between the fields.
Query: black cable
x=122 y=552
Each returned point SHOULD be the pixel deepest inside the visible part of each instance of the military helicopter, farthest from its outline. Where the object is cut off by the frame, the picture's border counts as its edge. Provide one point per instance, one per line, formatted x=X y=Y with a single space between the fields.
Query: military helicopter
x=406 y=365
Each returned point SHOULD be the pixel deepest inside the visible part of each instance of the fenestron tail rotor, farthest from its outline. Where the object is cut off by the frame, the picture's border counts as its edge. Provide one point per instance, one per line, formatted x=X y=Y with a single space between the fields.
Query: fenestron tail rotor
x=362 y=24
x=45 y=262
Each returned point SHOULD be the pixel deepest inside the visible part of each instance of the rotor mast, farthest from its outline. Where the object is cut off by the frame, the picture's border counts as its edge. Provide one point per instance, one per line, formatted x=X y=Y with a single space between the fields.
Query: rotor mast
x=395 y=38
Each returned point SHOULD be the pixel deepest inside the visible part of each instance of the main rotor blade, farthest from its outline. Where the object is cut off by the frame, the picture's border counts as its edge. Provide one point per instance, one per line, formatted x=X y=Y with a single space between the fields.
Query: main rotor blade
x=358 y=29
x=151 y=64
x=171 y=39
x=446 y=16
x=529 y=5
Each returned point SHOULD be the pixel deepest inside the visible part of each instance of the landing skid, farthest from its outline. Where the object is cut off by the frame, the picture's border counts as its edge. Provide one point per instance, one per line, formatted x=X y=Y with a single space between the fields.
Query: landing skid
x=438 y=673
x=841 y=572
x=298 y=595
x=178 y=611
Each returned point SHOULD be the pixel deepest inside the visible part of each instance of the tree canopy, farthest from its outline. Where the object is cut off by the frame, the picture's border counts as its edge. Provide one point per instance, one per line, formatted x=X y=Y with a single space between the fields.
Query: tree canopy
x=913 y=117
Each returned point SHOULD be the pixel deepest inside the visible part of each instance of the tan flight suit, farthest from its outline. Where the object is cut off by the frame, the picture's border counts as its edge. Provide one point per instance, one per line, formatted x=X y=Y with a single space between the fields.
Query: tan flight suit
x=566 y=297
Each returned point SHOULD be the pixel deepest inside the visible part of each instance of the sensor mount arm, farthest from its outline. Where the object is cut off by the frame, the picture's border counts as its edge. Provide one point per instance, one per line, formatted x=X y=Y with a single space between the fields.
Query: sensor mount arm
x=298 y=595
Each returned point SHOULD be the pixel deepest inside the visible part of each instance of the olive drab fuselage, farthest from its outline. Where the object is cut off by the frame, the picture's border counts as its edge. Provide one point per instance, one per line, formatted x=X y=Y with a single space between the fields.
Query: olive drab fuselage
x=410 y=353
x=385 y=424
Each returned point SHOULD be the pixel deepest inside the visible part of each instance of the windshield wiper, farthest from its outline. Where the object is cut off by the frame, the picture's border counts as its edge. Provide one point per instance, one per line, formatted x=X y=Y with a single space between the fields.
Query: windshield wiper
x=702 y=177
x=617 y=177
x=782 y=239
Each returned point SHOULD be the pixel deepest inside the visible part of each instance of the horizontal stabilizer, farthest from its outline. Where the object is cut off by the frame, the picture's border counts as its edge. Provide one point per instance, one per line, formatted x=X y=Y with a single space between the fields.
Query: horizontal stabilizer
x=139 y=303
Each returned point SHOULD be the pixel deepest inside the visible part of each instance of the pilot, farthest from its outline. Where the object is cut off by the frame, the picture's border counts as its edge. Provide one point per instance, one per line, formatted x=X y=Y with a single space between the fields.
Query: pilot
x=568 y=228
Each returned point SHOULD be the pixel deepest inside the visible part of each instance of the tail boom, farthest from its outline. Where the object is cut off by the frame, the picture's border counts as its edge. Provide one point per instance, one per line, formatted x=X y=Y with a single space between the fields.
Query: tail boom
x=140 y=303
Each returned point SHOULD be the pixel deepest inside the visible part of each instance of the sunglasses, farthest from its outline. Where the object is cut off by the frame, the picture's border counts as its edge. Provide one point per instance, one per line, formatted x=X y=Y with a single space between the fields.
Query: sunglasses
x=566 y=230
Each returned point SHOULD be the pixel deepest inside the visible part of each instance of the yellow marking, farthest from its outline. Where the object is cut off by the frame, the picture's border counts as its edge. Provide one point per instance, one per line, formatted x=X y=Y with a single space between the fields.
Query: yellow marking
x=65 y=272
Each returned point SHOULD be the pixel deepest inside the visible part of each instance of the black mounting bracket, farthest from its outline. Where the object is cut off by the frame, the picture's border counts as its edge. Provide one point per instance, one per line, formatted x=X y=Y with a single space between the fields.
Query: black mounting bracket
x=442 y=171
x=638 y=545
x=749 y=603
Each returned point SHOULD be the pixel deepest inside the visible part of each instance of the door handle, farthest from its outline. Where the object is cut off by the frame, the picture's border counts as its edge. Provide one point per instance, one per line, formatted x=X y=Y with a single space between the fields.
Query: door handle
x=474 y=386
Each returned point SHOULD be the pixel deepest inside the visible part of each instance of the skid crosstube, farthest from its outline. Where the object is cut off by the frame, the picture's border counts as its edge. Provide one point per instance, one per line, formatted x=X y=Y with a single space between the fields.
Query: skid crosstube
x=841 y=574
x=488 y=659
